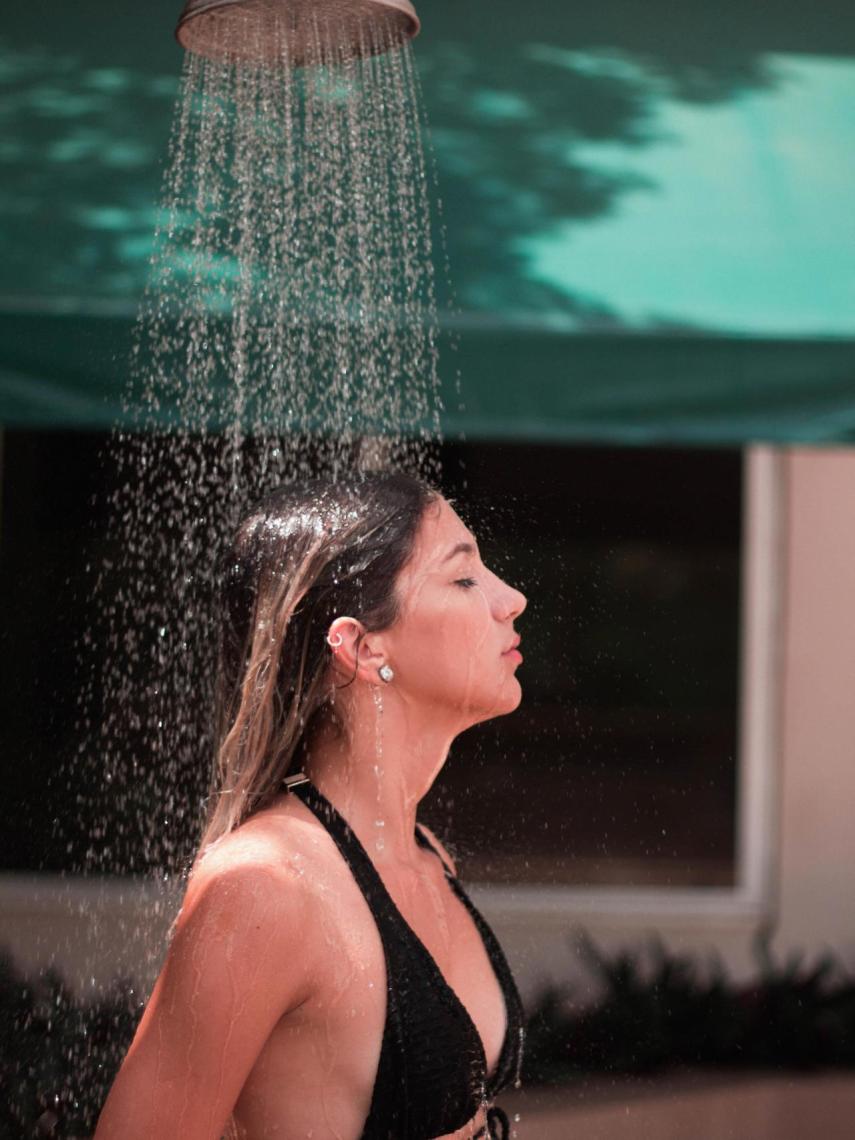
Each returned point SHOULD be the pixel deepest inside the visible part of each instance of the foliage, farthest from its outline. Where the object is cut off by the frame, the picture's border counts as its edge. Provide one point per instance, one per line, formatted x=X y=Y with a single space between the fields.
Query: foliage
x=59 y=1053
x=671 y=1012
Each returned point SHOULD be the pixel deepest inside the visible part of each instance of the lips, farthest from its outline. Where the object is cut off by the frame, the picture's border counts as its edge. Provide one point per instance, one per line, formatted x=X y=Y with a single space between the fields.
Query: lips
x=513 y=645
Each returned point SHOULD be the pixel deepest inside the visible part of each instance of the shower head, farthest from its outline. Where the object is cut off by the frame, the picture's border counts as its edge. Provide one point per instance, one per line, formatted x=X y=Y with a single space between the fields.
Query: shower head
x=264 y=31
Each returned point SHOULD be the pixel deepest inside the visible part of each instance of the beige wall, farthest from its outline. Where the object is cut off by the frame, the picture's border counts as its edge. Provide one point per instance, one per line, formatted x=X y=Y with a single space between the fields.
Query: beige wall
x=91 y=931
x=817 y=777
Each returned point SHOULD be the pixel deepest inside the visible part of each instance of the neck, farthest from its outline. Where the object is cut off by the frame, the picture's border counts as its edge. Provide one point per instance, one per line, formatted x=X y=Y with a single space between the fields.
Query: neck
x=376 y=775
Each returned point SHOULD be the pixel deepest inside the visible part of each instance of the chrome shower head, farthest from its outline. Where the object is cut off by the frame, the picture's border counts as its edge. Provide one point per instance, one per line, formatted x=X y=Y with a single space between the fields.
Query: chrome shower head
x=264 y=31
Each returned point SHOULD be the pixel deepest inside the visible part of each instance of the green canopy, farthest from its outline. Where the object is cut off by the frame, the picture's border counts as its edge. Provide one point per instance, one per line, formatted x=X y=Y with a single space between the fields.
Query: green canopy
x=647 y=210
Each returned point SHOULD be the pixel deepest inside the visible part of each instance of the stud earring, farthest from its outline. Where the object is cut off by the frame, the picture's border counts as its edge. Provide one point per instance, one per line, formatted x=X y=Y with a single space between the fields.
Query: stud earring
x=386 y=673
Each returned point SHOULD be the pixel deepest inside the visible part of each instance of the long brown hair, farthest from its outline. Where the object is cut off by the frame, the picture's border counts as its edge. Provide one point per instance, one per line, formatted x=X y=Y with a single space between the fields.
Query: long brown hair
x=308 y=552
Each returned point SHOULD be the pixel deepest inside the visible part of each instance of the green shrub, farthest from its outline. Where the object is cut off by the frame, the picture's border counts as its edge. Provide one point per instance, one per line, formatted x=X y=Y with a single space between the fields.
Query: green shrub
x=59 y=1053
x=668 y=1011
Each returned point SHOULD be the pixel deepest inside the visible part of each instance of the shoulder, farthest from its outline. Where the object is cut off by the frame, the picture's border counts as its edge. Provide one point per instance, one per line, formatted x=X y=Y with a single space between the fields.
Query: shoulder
x=242 y=954
x=439 y=847
x=273 y=842
x=250 y=888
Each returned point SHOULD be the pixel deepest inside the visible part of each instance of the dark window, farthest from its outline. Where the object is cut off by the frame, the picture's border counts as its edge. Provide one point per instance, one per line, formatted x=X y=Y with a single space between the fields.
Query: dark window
x=49 y=536
x=618 y=768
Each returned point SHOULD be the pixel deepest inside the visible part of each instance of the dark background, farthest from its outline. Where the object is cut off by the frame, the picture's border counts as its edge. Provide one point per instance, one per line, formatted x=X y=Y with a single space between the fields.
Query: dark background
x=619 y=766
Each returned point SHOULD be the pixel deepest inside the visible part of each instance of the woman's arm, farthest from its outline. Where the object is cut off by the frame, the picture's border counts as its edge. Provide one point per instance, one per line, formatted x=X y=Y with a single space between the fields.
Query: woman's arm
x=236 y=964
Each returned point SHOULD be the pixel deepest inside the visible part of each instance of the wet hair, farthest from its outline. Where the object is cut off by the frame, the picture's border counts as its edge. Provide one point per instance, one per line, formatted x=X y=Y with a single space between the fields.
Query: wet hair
x=308 y=552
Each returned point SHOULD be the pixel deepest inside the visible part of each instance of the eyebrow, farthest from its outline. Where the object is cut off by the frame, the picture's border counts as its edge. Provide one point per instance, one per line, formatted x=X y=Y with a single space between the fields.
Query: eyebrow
x=461 y=548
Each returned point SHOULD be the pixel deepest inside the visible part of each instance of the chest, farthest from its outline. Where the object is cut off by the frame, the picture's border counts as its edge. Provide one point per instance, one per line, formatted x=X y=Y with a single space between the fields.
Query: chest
x=429 y=930
x=442 y=981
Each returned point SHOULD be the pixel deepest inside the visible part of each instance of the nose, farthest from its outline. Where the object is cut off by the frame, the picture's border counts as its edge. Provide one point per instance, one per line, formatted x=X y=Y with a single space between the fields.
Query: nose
x=520 y=601
x=512 y=602
x=507 y=603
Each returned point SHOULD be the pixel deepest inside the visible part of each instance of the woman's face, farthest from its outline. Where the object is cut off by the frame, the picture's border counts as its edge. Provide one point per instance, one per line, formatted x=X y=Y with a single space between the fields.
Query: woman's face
x=453 y=645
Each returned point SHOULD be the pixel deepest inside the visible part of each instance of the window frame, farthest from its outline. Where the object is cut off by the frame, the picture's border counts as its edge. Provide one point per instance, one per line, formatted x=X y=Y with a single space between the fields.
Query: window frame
x=762 y=586
x=762 y=596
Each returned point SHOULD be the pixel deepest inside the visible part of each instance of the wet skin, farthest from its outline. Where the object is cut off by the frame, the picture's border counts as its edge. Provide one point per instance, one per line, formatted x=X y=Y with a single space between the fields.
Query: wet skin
x=271 y=1002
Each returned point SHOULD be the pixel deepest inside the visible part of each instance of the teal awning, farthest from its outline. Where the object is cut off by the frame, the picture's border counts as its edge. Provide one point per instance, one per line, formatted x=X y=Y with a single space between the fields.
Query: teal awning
x=647 y=209
x=70 y=371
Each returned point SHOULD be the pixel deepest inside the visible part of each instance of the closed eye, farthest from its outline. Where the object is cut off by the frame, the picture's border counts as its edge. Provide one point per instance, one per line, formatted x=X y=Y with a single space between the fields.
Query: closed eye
x=466 y=583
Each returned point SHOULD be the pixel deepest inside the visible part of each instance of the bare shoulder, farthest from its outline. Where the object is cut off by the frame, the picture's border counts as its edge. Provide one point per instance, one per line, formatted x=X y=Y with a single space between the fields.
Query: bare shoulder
x=441 y=848
x=241 y=957
x=266 y=839
x=255 y=881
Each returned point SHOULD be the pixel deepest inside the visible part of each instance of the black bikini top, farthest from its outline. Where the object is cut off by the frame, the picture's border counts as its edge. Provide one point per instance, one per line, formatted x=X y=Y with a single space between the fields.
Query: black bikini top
x=432 y=1075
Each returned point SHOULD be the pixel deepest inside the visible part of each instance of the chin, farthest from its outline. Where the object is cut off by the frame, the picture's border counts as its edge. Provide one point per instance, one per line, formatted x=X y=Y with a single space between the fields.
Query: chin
x=510 y=700
x=515 y=697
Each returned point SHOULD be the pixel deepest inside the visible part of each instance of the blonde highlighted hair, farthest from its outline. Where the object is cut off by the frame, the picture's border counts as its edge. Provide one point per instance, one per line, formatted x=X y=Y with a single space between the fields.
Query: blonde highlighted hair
x=308 y=552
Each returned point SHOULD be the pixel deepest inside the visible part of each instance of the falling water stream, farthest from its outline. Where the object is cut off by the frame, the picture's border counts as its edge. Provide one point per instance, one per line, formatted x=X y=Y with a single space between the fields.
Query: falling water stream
x=288 y=329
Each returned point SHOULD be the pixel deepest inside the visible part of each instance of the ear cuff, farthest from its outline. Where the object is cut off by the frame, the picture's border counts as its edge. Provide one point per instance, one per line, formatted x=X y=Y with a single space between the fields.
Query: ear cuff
x=386 y=672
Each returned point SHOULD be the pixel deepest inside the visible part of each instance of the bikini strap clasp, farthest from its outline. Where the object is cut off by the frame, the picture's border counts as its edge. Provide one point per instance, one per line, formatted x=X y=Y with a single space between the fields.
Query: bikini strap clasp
x=291 y=782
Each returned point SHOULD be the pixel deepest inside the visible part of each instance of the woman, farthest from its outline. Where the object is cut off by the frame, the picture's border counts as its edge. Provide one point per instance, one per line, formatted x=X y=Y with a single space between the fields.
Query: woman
x=327 y=976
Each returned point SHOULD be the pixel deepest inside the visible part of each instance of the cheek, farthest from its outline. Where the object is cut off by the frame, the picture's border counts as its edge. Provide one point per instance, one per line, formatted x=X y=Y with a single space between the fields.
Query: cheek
x=463 y=627
x=441 y=632
x=451 y=654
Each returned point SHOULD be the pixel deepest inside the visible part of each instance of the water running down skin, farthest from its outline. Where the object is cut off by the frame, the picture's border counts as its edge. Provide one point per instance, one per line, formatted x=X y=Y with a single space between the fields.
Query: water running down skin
x=271 y=1002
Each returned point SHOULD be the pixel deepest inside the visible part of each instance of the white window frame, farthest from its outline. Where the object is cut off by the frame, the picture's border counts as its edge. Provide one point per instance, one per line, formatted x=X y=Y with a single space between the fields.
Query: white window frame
x=29 y=901
x=760 y=677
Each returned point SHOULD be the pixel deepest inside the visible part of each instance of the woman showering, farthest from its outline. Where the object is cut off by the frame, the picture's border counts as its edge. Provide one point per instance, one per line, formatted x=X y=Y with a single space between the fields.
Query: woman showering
x=327 y=975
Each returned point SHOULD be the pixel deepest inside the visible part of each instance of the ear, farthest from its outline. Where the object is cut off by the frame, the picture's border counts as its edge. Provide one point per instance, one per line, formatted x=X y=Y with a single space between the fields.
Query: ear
x=354 y=650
